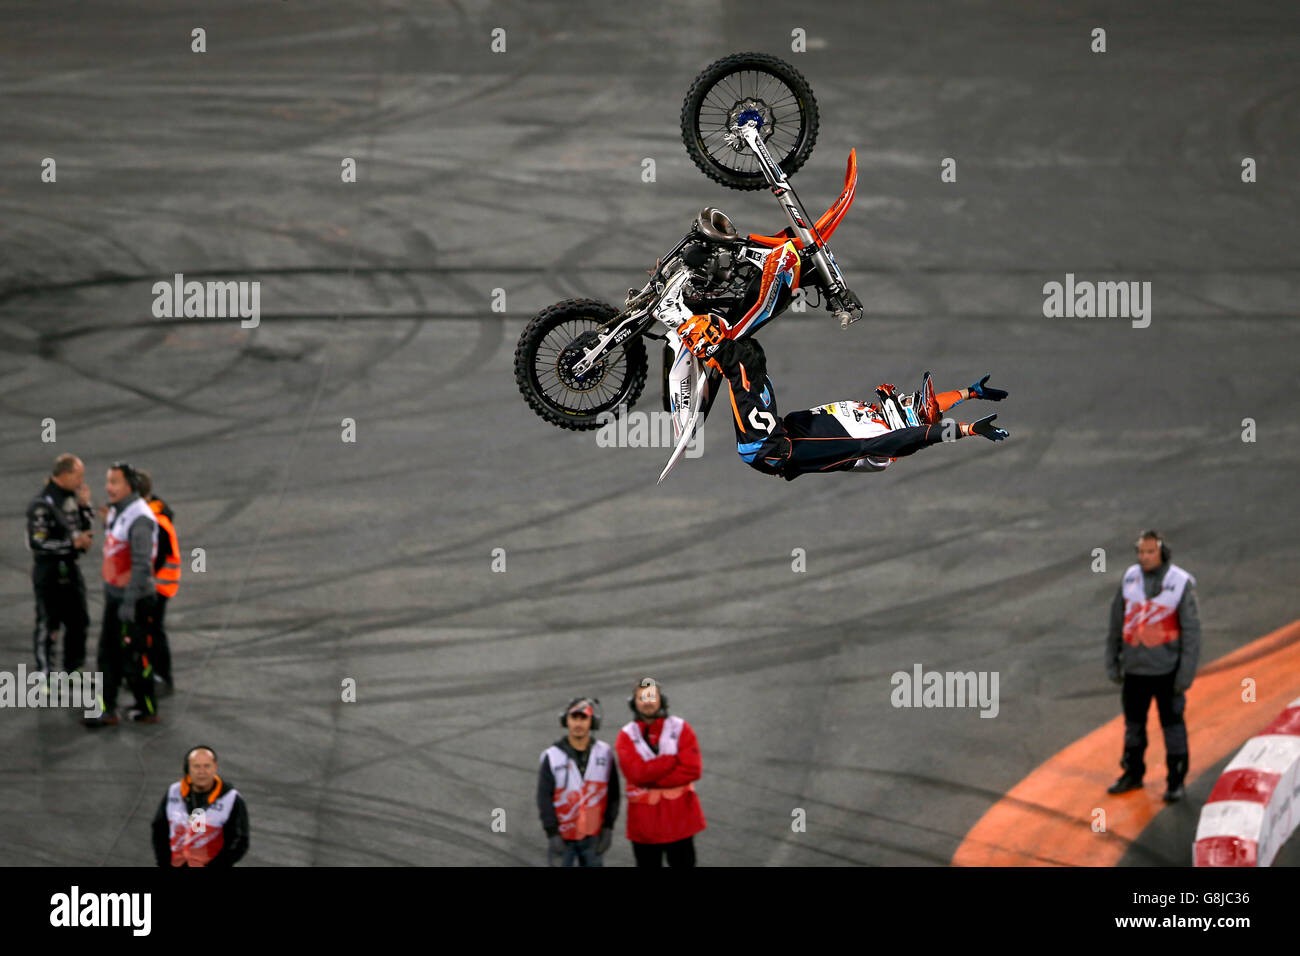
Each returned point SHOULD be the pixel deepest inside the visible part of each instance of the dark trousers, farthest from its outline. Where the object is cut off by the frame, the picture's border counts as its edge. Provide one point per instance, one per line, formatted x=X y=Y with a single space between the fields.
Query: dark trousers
x=162 y=654
x=578 y=853
x=681 y=853
x=124 y=652
x=60 y=605
x=1136 y=695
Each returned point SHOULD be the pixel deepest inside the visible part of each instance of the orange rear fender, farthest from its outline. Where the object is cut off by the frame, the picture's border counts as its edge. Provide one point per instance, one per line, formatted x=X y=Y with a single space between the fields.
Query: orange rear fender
x=831 y=218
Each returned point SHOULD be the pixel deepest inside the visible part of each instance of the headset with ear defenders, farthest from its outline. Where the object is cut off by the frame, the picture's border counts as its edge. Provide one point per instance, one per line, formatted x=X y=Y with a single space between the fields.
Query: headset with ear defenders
x=1152 y=533
x=663 y=698
x=595 y=711
x=129 y=473
x=185 y=770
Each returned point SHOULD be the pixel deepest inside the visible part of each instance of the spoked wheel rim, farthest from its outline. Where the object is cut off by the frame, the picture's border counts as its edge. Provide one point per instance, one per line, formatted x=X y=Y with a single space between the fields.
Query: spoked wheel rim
x=597 y=390
x=737 y=96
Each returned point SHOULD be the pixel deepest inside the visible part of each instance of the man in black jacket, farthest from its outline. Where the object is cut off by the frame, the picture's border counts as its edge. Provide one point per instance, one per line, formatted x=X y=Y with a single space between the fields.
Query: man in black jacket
x=1152 y=649
x=202 y=820
x=578 y=790
x=59 y=522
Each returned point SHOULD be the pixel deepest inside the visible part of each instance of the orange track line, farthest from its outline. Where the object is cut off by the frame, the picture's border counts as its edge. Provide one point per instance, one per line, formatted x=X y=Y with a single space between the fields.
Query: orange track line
x=1046 y=819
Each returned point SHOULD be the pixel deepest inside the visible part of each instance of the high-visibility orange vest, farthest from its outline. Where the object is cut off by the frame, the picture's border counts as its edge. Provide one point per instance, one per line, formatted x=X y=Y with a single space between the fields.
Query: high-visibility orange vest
x=167 y=579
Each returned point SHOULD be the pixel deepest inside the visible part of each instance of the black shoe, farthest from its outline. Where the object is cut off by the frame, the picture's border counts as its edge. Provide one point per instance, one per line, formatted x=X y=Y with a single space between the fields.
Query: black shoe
x=143 y=716
x=1126 y=783
x=93 y=723
x=1175 y=793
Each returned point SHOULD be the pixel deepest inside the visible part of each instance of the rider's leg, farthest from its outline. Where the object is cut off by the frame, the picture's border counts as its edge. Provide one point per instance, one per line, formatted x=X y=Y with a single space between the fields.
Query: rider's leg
x=761 y=439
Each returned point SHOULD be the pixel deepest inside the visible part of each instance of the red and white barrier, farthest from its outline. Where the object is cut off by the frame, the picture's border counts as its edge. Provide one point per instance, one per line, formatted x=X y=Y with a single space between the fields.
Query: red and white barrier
x=1255 y=805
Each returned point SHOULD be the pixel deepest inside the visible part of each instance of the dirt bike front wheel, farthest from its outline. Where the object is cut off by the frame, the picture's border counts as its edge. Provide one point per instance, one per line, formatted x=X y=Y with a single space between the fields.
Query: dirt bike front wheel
x=735 y=89
x=549 y=346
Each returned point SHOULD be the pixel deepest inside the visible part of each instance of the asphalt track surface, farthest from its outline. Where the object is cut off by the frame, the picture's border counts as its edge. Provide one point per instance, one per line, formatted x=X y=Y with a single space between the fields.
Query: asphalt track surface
x=522 y=171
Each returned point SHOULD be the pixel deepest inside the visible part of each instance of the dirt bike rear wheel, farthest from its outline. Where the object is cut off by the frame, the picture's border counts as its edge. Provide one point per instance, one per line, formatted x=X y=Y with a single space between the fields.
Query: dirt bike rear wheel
x=760 y=84
x=549 y=345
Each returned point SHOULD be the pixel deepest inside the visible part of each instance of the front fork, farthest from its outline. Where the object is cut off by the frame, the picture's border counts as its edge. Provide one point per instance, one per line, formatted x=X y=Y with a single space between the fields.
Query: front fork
x=844 y=304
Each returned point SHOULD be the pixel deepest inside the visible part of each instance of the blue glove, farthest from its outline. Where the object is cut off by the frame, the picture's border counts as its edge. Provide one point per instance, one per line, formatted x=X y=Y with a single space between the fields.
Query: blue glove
x=990 y=431
x=987 y=392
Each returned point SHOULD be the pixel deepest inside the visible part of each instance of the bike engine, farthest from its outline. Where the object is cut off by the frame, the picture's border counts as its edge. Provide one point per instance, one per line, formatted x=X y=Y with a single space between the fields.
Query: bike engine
x=719 y=284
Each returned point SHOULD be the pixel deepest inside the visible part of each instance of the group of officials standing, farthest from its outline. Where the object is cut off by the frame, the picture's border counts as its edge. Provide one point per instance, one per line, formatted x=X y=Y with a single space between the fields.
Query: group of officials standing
x=202 y=819
x=141 y=571
x=1152 y=650
x=578 y=784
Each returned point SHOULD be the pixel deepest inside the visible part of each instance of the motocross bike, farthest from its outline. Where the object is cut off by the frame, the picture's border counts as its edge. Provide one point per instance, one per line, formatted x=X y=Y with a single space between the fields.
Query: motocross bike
x=580 y=361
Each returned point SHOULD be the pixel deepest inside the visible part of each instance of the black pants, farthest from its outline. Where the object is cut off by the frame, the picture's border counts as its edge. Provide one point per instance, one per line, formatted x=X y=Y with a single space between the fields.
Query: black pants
x=681 y=853
x=60 y=604
x=162 y=654
x=804 y=441
x=124 y=651
x=1136 y=695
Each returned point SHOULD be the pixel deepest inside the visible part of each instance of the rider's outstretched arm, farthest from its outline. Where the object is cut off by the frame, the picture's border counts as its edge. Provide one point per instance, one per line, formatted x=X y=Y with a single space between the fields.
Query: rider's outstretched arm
x=822 y=444
x=948 y=399
x=980 y=389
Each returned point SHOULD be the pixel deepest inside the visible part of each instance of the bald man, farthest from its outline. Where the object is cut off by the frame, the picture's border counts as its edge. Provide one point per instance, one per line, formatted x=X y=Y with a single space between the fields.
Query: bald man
x=202 y=820
x=59 y=523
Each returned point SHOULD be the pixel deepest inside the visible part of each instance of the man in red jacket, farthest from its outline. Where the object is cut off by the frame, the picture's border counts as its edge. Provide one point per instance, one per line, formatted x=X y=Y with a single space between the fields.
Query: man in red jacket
x=660 y=759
